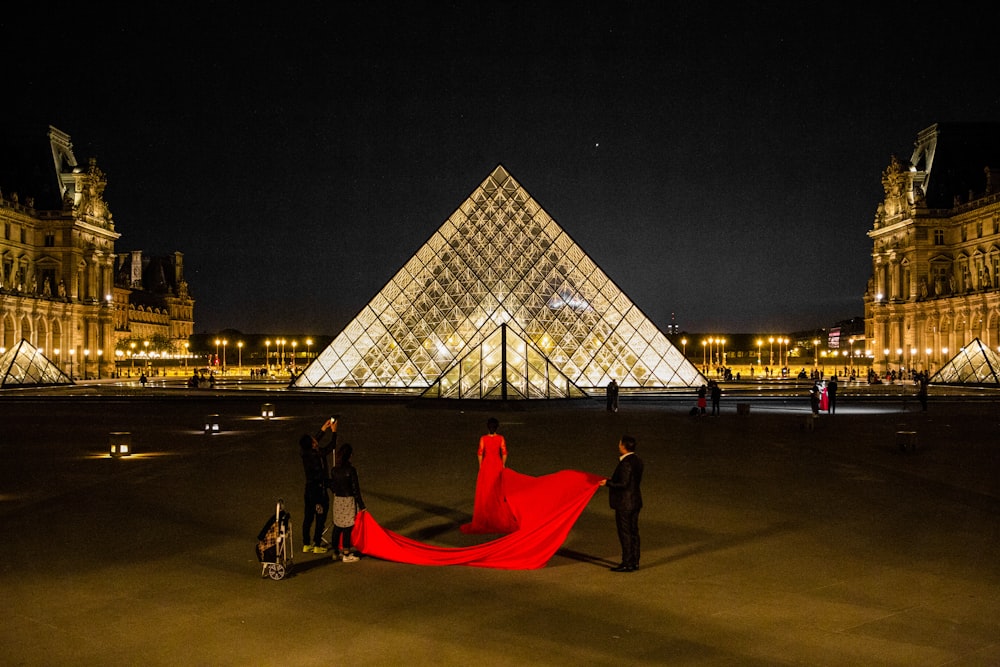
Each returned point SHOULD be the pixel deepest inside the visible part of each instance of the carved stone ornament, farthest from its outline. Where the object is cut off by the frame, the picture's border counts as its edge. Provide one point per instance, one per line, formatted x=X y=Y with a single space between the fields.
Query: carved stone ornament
x=896 y=183
x=92 y=204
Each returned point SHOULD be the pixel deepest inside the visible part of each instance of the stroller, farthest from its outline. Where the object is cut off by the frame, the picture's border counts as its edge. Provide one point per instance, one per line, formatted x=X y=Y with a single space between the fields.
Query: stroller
x=274 y=544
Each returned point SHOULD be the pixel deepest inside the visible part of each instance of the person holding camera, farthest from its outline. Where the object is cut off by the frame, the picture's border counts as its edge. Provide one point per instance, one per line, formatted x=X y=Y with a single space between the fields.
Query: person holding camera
x=317 y=501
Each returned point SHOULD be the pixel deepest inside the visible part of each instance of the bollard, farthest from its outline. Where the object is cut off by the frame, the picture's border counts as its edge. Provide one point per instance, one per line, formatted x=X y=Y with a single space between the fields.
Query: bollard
x=267 y=410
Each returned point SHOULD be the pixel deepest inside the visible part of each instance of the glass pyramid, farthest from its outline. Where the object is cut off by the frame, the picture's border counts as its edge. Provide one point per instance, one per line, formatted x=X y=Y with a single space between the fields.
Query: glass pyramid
x=974 y=364
x=500 y=302
x=24 y=365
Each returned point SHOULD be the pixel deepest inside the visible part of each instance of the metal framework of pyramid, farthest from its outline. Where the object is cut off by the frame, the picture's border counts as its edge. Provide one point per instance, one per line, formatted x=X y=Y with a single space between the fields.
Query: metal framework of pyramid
x=974 y=364
x=500 y=303
x=24 y=365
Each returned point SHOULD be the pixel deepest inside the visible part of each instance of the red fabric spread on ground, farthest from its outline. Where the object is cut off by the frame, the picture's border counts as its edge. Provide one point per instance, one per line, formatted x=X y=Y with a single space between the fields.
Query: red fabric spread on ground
x=490 y=512
x=545 y=508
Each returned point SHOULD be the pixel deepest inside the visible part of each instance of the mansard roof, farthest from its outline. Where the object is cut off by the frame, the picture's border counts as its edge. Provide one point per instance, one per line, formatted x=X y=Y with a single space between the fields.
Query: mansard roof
x=28 y=164
x=956 y=156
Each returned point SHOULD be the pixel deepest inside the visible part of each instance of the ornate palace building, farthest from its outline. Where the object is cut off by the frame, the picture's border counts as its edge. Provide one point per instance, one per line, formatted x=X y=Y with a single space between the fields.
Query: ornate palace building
x=62 y=286
x=935 y=284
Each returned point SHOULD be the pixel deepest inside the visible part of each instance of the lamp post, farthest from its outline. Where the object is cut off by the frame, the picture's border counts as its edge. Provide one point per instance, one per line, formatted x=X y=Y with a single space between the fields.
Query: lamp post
x=722 y=355
x=815 y=355
x=86 y=355
x=225 y=342
x=267 y=354
x=704 y=362
x=281 y=362
x=771 y=341
x=309 y=342
x=72 y=361
x=239 y=345
x=684 y=347
x=100 y=354
x=186 y=346
x=294 y=345
x=131 y=356
x=760 y=344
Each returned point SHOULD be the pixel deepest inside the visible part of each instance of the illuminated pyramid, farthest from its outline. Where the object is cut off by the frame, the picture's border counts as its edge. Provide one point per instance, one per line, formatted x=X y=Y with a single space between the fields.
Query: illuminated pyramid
x=500 y=303
x=24 y=365
x=974 y=364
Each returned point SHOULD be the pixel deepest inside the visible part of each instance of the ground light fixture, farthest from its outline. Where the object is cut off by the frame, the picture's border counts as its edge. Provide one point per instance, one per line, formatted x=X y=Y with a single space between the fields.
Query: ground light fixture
x=121 y=444
x=212 y=424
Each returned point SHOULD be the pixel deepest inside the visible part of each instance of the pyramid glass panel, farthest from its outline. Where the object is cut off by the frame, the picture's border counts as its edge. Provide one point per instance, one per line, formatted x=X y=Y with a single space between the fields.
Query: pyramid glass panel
x=24 y=365
x=500 y=269
x=974 y=364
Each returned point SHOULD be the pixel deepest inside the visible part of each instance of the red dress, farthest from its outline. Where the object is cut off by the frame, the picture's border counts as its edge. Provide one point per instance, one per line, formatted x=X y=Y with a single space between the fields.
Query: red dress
x=490 y=512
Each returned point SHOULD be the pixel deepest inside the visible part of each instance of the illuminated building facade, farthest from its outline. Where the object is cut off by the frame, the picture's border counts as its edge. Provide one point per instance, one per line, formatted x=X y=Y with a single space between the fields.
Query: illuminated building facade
x=58 y=288
x=500 y=303
x=935 y=284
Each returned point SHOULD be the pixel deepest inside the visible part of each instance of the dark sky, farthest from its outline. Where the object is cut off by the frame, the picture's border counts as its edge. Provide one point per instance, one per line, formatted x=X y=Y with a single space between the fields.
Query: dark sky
x=722 y=165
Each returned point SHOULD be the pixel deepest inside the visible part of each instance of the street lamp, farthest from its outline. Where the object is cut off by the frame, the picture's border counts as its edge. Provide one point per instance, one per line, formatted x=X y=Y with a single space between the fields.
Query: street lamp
x=294 y=345
x=815 y=355
x=704 y=362
x=240 y=364
x=771 y=341
x=225 y=342
x=86 y=354
x=267 y=354
x=72 y=360
x=684 y=347
x=186 y=346
x=309 y=342
x=760 y=344
x=722 y=355
x=100 y=353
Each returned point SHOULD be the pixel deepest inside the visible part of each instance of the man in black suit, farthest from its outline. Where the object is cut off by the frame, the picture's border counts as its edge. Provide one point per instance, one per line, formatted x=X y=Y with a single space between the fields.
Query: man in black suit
x=626 y=501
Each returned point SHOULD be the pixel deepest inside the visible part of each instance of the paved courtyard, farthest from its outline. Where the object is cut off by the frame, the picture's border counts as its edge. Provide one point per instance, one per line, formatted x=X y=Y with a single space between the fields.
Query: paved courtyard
x=764 y=543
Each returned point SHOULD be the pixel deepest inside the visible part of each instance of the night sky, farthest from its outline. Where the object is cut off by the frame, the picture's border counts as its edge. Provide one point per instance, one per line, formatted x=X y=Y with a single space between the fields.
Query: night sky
x=721 y=165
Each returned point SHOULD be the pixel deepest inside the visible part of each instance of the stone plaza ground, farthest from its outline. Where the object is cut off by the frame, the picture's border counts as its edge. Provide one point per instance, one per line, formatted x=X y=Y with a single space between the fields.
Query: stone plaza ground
x=764 y=543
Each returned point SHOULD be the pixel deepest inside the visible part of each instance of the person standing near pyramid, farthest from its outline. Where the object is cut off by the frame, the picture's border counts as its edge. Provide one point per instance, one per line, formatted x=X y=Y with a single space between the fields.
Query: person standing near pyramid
x=490 y=513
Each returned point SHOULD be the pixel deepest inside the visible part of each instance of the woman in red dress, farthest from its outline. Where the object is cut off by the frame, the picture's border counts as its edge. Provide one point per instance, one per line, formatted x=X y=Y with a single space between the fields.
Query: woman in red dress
x=490 y=513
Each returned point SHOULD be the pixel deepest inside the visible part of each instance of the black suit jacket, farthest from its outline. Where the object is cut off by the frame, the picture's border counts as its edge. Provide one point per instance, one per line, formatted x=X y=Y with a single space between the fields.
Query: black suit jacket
x=624 y=484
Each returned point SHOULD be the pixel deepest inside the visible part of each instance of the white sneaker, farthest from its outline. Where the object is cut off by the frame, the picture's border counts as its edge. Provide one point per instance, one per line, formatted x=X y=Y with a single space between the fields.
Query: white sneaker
x=350 y=558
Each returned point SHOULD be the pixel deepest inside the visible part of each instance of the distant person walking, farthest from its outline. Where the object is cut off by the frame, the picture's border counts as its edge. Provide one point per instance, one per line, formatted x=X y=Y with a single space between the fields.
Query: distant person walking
x=831 y=395
x=716 y=393
x=923 y=379
x=612 y=396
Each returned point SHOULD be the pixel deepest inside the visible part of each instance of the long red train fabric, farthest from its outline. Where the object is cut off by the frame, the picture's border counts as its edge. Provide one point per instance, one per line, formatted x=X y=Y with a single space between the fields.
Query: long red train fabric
x=545 y=508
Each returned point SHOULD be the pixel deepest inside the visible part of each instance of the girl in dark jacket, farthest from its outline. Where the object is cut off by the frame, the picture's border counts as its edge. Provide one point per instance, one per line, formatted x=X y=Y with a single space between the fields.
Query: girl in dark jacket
x=347 y=502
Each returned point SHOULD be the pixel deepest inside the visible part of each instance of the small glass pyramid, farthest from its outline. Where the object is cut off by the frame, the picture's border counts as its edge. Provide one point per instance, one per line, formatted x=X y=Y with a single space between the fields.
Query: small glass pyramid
x=974 y=364
x=24 y=365
x=500 y=303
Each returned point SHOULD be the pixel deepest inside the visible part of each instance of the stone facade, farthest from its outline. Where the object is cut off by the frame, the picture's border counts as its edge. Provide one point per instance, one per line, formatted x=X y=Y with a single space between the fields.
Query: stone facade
x=935 y=283
x=58 y=287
